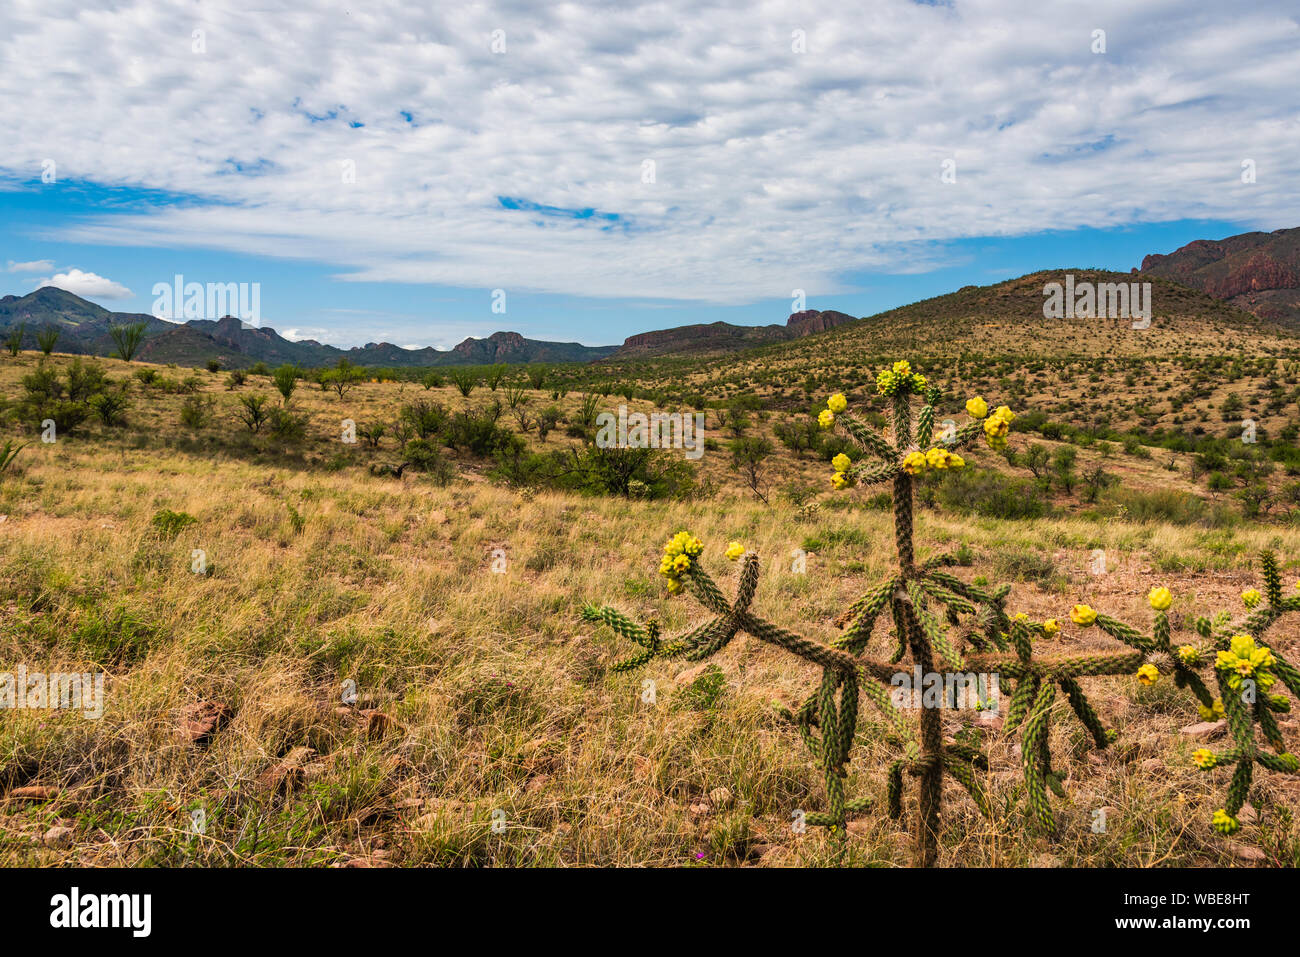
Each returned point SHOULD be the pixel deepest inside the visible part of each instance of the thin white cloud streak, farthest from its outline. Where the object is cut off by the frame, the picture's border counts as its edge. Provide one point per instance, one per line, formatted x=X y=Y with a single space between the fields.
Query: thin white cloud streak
x=774 y=170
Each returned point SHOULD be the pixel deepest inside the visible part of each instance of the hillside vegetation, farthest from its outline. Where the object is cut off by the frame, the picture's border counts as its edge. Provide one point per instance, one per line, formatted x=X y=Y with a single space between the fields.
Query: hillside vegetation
x=437 y=566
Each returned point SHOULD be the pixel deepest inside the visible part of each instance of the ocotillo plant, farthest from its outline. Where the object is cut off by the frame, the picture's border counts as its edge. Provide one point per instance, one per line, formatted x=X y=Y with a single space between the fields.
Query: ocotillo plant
x=937 y=619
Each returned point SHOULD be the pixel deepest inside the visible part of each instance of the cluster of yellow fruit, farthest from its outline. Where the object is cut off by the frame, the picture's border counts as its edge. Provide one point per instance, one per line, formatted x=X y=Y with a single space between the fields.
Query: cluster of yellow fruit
x=1224 y=823
x=678 y=553
x=1250 y=597
x=900 y=378
x=834 y=405
x=996 y=426
x=1082 y=615
x=1160 y=598
x=841 y=465
x=1245 y=659
x=1204 y=758
x=914 y=463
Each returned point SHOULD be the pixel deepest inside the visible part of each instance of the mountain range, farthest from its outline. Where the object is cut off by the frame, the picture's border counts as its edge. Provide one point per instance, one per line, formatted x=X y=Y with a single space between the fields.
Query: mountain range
x=1222 y=284
x=1258 y=272
x=84 y=328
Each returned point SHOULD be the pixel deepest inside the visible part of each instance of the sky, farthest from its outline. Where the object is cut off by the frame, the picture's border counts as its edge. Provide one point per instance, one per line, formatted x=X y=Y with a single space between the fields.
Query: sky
x=418 y=173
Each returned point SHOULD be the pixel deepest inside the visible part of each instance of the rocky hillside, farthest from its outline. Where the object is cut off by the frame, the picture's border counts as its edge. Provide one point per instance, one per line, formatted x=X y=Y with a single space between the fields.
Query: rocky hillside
x=1258 y=272
x=726 y=337
x=83 y=329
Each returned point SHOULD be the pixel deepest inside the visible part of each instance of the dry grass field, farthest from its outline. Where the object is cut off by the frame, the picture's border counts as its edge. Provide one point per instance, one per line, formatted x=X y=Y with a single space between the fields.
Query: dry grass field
x=487 y=727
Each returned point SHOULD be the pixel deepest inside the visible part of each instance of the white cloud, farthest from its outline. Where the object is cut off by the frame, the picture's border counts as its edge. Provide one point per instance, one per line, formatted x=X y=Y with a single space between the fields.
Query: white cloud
x=87 y=285
x=773 y=170
x=35 y=266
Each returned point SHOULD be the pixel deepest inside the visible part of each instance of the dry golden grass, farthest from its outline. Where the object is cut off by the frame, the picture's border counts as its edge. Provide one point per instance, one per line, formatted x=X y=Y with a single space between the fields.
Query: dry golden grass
x=497 y=698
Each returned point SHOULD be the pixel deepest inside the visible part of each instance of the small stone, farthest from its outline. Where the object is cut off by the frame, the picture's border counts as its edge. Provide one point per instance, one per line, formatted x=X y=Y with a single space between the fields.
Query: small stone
x=1206 y=729
x=378 y=724
x=537 y=784
x=720 y=798
x=690 y=674
x=1153 y=765
x=200 y=721
x=1247 y=814
x=58 y=836
x=1244 y=852
x=34 y=792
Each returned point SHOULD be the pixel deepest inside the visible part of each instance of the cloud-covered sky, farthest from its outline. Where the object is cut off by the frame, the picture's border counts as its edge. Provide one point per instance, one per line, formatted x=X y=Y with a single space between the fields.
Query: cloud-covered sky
x=705 y=154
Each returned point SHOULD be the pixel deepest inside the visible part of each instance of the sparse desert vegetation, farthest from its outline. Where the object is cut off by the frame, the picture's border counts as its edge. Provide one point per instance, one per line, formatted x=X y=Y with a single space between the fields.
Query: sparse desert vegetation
x=372 y=651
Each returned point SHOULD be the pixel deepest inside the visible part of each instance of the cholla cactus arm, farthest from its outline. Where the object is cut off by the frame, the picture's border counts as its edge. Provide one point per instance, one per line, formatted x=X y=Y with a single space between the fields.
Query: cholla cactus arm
x=962 y=771
x=1272 y=579
x=1125 y=633
x=865 y=611
x=1289 y=674
x=866 y=473
x=1022 y=697
x=925 y=425
x=1087 y=716
x=868 y=438
x=951 y=599
x=616 y=620
x=1033 y=747
x=934 y=632
x=903 y=435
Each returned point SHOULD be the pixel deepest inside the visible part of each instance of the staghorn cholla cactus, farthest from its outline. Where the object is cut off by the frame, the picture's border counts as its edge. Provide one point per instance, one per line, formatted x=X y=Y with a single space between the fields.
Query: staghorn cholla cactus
x=940 y=620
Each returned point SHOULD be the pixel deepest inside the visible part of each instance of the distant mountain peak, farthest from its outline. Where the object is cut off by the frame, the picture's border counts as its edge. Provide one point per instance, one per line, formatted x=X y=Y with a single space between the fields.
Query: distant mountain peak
x=1258 y=272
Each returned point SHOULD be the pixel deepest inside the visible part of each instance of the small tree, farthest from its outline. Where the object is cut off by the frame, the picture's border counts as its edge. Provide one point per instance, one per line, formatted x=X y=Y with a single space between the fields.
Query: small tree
x=341 y=378
x=285 y=379
x=252 y=411
x=15 y=341
x=464 y=380
x=127 y=339
x=748 y=455
x=47 y=339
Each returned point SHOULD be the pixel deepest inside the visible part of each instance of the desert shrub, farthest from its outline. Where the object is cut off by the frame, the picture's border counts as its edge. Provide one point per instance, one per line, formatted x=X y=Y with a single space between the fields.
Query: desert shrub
x=1169 y=505
x=989 y=494
x=168 y=524
x=47 y=339
x=287 y=425
x=464 y=380
x=66 y=400
x=611 y=471
x=236 y=378
x=424 y=456
x=285 y=379
x=425 y=418
x=110 y=406
x=476 y=433
x=196 y=411
x=252 y=411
